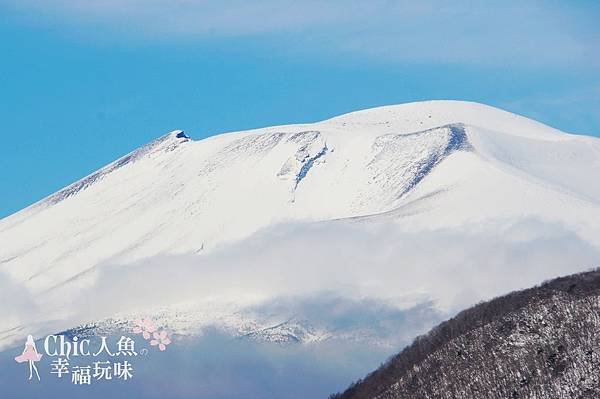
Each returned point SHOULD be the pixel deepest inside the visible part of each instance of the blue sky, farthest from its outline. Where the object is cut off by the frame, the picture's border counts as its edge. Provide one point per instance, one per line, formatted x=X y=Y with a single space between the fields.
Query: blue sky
x=82 y=83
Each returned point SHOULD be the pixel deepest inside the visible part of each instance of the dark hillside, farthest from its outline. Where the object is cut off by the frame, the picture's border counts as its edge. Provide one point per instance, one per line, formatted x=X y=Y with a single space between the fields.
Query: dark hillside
x=542 y=342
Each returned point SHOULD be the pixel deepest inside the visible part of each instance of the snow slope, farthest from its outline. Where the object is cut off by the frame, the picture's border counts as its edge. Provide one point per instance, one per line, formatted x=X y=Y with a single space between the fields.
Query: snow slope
x=425 y=166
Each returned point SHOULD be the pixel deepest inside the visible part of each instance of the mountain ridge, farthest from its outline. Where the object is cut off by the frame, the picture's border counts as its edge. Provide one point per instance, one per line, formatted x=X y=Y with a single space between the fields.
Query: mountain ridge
x=428 y=368
x=344 y=118
x=422 y=167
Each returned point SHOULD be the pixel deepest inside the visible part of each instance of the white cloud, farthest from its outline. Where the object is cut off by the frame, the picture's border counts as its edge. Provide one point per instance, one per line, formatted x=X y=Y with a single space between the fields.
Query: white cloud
x=452 y=268
x=340 y=275
x=497 y=33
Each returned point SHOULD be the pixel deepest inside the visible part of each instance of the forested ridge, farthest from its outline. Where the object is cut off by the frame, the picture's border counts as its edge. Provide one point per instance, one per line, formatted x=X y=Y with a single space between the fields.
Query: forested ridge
x=542 y=342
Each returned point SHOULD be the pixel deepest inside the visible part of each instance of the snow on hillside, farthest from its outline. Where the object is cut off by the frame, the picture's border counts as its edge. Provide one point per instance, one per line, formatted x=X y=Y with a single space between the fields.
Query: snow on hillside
x=422 y=167
x=537 y=343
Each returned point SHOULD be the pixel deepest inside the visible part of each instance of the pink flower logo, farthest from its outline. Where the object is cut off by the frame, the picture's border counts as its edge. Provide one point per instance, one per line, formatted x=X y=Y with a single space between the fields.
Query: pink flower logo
x=161 y=339
x=148 y=329
x=145 y=327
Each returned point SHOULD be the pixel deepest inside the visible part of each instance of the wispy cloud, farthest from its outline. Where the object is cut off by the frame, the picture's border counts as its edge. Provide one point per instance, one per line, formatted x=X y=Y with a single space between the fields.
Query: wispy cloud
x=513 y=32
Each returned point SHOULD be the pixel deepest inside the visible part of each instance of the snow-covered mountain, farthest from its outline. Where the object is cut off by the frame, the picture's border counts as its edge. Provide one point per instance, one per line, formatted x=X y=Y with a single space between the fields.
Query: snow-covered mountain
x=427 y=166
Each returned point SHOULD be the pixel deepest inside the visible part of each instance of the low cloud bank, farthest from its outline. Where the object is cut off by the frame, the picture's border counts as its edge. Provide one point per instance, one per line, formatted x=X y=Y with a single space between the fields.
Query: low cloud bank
x=375 y=281
x=451 y=268
x=330 y=274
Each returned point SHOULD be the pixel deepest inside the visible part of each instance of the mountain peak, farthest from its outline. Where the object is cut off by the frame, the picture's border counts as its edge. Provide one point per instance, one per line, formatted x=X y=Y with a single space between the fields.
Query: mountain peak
x=422 y=115
x=422 y=166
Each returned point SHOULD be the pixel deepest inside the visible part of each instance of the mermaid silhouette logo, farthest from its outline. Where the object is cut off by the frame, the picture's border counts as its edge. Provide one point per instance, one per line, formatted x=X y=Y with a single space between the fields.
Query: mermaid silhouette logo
x=31 y=355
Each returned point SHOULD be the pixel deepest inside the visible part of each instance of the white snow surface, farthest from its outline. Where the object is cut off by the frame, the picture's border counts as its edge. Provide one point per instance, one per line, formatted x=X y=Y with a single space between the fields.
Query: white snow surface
x=422 y=166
